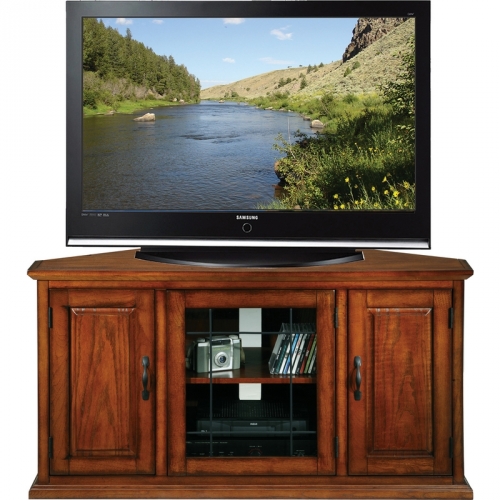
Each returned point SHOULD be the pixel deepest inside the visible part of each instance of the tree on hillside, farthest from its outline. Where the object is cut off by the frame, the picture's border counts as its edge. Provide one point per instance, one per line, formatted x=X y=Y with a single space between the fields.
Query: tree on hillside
x=114 y=57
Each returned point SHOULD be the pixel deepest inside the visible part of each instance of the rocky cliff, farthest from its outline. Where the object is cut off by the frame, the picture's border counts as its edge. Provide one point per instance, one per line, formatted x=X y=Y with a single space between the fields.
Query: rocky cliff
x=369 y=30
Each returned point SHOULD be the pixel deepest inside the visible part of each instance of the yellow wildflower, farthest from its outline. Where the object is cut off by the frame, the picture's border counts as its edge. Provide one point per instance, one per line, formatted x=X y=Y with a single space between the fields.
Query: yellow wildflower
x=347 y=179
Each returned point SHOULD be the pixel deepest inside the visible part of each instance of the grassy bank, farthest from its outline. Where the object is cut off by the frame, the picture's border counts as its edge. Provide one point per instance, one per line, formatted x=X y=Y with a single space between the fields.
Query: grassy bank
x=349 y=170
x=365 y=157
x=129 y=107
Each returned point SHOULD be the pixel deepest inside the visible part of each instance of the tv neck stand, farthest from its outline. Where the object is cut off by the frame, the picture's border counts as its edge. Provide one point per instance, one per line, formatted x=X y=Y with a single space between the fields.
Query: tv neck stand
x=250 y=256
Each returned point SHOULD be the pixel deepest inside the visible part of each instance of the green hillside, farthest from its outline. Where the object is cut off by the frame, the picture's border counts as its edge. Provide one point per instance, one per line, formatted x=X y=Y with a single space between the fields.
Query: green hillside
x=363 y=74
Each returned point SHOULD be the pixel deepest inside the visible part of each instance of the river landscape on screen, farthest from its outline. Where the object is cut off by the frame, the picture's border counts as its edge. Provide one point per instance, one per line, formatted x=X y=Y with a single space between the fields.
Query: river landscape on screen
x=248 y=114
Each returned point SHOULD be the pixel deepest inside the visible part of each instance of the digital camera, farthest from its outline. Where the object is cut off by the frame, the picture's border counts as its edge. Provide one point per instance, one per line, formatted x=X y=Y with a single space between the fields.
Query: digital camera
x=225 y=355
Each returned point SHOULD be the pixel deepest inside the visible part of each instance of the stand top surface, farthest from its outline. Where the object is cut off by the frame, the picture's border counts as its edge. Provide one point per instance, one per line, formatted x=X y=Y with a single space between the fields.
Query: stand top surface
x=377 y=266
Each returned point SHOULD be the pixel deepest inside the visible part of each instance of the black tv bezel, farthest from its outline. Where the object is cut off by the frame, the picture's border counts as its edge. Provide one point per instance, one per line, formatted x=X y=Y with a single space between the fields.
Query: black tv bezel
x=352 y=229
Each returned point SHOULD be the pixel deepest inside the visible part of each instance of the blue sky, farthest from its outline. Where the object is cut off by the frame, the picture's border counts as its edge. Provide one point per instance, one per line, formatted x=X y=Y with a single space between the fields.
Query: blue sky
x=220 y=51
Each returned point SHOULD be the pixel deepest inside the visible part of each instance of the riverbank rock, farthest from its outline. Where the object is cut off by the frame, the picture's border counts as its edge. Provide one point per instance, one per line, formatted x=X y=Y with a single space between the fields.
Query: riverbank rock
x=317 y=124
x=148 y=117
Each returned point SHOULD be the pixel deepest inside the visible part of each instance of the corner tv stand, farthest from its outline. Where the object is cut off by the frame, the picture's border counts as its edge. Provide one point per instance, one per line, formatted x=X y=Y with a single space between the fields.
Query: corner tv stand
x=368 y=403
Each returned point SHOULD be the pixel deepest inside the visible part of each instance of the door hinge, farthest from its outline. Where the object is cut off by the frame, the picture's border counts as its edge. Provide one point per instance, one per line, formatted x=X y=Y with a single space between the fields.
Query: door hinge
x=336 y=317
x=336 y=447
x=50 y=317
x=51 y=447
x=450 y=317
x=451 y=447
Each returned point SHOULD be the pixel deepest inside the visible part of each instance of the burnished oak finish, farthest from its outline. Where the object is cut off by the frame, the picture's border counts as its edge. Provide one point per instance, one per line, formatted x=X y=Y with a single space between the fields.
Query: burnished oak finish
x=99 y=315
x=97 y=422
x=405 y=418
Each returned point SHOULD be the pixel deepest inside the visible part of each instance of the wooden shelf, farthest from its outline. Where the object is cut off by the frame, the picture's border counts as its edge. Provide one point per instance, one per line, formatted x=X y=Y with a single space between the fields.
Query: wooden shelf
x=255 y=371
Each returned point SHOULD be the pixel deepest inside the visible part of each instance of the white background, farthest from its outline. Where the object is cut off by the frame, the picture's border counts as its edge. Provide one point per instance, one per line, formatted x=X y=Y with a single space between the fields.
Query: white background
x=465 y=210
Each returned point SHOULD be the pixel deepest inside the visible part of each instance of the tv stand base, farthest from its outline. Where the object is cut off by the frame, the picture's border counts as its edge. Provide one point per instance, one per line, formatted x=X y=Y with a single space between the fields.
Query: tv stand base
x=250 y=257
x=254 y=487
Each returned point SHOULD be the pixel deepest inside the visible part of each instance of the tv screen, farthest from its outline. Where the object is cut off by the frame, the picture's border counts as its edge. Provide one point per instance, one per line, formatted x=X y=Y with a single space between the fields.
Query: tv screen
x=248 y=124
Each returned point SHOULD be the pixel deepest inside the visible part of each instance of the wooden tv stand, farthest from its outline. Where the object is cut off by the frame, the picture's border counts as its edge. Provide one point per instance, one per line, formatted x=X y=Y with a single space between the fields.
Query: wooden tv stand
x=383 y=404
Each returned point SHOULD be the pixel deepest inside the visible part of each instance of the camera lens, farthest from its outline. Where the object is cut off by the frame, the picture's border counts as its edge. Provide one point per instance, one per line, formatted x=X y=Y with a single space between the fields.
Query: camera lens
x=220 y=359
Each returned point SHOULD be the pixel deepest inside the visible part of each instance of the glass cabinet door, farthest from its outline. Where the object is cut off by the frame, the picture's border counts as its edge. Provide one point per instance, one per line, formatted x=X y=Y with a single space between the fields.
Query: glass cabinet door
x=276 y=417
x=253 y=396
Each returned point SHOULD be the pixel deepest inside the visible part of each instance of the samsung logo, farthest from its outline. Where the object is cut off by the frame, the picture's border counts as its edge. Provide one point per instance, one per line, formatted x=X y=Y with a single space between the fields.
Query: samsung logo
x=247 y=217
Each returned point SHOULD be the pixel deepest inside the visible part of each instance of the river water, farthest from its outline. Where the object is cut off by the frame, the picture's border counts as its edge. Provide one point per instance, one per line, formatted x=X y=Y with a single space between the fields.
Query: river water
x=207 y=156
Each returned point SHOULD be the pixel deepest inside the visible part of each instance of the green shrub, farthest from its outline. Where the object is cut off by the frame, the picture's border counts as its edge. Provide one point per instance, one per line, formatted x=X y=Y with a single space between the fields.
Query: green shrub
x=364 y=165
x=90 y=98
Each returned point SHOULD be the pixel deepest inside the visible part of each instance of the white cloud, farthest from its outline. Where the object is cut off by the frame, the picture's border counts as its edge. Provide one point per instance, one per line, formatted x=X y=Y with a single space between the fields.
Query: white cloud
x=157 y=21
x=281 y=35
x=122 y=21
x=234 y=20
x=278 y=62
x=229 y=60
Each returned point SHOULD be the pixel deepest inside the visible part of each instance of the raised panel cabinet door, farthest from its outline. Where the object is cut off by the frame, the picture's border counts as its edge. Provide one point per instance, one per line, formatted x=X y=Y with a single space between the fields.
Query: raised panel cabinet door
x=101 y=392
x=399 y=398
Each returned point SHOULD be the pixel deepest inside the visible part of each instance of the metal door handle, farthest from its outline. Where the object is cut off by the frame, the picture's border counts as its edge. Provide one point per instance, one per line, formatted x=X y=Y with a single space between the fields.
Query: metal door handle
x=145 y=378
x=357 y=365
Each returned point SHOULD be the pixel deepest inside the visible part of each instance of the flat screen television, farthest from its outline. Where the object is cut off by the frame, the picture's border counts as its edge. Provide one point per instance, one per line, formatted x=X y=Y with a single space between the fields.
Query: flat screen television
x=249 y=133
